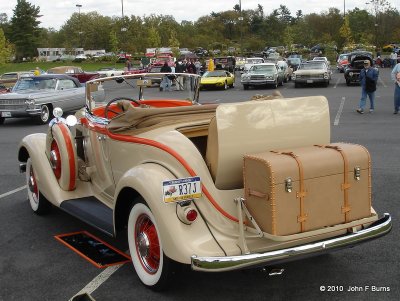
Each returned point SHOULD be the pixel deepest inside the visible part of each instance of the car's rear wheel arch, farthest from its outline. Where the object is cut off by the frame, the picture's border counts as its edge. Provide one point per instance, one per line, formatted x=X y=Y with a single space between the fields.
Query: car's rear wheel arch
x=126 y=199
x=23 y=154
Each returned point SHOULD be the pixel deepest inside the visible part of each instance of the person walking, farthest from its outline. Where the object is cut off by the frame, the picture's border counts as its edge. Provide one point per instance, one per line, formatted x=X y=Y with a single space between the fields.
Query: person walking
x=396 y=78
x=128 y=64
x=393 y=59
x=368 y=79
x=197 y=64
x=166 y=81
x=179 y=68
x=210 y=65
x=37 y=71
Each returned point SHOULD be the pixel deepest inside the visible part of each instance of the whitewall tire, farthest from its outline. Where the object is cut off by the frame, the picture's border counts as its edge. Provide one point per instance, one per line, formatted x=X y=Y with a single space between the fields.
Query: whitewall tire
x=153 y=268
x=39 y=204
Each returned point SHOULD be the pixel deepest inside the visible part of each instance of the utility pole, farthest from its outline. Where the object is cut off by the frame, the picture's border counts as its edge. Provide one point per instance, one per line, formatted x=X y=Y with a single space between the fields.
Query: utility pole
x=344 y=9
x=241 y=27
x=80 y=24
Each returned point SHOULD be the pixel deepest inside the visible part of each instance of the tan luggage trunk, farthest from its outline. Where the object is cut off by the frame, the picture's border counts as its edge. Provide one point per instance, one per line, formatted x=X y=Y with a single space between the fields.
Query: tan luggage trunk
x=308 y=188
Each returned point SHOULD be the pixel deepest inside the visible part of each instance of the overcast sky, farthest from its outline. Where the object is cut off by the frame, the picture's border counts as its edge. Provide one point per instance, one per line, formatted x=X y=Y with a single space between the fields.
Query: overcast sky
x=55 y=13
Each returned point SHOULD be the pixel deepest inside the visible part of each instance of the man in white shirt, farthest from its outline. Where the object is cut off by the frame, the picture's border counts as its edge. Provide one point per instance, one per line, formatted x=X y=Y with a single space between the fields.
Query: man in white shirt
x=393 y=59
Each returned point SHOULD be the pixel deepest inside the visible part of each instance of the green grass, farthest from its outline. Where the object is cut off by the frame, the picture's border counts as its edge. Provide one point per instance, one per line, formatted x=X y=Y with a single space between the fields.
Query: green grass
x=86 y=66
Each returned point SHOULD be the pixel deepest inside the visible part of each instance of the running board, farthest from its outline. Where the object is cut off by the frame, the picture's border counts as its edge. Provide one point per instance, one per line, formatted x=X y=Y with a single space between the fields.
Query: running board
x=91 y=211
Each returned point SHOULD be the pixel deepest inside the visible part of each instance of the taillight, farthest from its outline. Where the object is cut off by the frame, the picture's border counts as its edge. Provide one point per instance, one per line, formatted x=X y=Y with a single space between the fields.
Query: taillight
x=187 y=214
x=55 y=159
x=191 y=215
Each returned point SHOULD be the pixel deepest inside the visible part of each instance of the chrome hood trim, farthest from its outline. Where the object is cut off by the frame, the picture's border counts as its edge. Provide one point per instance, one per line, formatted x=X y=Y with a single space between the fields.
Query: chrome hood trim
x=229 y=263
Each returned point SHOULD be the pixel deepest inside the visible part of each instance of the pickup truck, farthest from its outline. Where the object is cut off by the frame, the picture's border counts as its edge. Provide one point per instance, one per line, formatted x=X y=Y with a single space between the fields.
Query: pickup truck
x=10 y=78
x=76 y=72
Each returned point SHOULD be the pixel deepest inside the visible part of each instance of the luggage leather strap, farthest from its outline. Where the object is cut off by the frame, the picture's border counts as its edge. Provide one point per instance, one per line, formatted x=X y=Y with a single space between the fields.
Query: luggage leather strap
x=301 y=194
x=345 y=185
x=257 y=194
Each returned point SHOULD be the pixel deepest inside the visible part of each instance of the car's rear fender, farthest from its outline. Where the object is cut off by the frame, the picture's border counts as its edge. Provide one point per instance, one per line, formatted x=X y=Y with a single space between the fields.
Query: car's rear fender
x=180 y=241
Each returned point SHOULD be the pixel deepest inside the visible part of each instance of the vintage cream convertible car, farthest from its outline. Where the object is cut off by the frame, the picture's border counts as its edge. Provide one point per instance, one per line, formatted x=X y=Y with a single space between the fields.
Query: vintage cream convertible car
x=183 y=179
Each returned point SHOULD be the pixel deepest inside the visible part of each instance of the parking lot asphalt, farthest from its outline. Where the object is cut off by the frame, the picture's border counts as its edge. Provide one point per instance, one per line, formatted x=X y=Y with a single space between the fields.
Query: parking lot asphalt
x=35 y=266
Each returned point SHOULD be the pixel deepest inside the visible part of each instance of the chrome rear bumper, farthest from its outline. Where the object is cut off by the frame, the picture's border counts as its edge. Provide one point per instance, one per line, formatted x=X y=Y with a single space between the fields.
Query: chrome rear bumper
x=229 y=263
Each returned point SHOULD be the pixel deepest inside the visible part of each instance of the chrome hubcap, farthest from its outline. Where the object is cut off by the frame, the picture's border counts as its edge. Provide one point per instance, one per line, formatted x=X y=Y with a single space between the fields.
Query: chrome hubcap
x=143 y=245
x=45 y=113
x=53 y=159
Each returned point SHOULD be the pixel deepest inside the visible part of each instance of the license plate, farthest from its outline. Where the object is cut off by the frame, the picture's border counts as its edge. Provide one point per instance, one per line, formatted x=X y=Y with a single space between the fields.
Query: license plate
x=309 y=81
x=5 y=114
x=181 y=189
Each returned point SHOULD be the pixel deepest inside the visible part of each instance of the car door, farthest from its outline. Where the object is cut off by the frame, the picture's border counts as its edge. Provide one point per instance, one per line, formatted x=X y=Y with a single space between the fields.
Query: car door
x=69 y=95
x=97 y=160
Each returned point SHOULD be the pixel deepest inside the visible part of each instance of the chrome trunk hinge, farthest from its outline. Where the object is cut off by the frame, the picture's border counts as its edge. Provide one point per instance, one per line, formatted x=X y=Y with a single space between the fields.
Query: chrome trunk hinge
x=242 y=209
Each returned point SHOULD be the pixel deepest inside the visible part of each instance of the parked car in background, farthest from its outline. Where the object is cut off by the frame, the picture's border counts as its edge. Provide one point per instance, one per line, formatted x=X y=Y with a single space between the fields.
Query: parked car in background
x=287 y=71
x=217 y=79
x=10 y=78
x=342 y=62
x=240 y=61
x=198 y=185
x=199 y=51
x=80 y=58
x=356 y=64
x=311 y=73
x=37 y=96
x=109 y=71
x=4 y=89
x=74 y=71
x=265 y=74
x=251 y=61
x=294 y=63
x=226 y=63
x=322 y=59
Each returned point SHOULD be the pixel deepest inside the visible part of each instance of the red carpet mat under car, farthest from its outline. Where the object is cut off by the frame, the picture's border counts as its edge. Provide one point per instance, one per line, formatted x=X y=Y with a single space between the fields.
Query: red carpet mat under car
x=93 y=249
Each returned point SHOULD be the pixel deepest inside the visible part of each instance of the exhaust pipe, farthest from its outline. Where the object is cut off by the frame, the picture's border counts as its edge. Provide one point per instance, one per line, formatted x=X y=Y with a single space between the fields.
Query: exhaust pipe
x=22 y=167
x=274 y=272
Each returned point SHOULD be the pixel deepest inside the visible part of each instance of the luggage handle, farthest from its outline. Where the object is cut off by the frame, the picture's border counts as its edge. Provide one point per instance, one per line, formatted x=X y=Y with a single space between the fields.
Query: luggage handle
x=257 y=194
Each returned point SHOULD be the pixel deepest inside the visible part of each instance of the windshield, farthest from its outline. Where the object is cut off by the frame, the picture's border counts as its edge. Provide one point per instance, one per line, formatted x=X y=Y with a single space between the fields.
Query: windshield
x=35 y=84
x=311 y=66
x=221 y=60
x=146 y=86
x=262 y=68
x=295 y=61
x=214 y=74
x=254 y=61
x=9 y=75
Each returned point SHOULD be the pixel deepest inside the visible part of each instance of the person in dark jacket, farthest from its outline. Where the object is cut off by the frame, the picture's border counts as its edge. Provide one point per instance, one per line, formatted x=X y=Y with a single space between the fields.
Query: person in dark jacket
x=166 y=82
x=179 y=68
x=368 y=79
x=191 y=68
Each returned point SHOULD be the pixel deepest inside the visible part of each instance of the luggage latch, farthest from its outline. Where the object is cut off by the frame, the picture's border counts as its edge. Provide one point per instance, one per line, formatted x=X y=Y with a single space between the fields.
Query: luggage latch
x=288 y=184
x=357 y=173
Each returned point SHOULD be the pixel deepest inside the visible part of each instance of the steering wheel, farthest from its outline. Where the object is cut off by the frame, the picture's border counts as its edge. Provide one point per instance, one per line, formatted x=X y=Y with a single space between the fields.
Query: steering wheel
x=107 y=109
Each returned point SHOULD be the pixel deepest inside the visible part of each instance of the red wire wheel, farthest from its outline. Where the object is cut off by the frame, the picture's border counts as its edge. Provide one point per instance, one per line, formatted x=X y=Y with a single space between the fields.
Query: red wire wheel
x=147 y=244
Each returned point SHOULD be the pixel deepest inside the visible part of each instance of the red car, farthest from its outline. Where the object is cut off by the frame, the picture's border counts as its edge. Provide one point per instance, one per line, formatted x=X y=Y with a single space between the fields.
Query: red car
x=4 y=89
x=342 y=62
x=73 y=71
